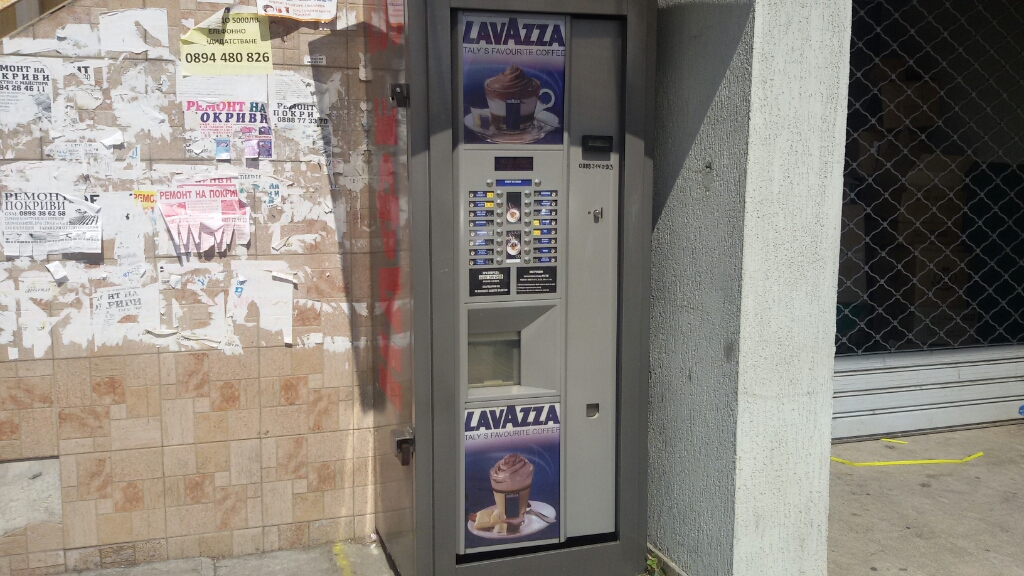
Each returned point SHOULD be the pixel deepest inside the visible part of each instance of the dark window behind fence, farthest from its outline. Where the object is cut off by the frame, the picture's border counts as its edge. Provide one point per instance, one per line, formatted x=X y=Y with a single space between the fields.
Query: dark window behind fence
x=932 y=251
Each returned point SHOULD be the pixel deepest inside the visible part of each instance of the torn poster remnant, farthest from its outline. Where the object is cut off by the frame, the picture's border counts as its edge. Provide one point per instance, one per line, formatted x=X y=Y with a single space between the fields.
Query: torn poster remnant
x=306 y=10
x=204 y=214
x=41 y=223
x=119 y=31
x=26 y=92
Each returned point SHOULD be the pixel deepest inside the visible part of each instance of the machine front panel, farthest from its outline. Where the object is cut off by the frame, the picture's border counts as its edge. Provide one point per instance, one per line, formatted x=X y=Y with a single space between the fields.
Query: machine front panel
x=536 y=197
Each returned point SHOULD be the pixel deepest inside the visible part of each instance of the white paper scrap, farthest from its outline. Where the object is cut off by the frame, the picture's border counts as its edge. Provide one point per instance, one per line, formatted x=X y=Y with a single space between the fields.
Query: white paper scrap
x=12 y=353
x=57 y=271
x=285 y=277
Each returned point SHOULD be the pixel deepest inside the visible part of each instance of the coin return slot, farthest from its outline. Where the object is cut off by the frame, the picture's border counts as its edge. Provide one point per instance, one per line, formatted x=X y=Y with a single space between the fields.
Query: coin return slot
x=494 y=359
x=593 y=410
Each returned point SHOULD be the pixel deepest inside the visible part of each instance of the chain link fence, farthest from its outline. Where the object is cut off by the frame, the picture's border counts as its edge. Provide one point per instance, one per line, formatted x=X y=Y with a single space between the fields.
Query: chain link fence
x=932 y=251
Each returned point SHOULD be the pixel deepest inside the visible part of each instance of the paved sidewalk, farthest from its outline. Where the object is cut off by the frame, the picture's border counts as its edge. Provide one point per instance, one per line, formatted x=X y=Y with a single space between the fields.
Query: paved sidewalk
x=930 y=520
x=347 y=559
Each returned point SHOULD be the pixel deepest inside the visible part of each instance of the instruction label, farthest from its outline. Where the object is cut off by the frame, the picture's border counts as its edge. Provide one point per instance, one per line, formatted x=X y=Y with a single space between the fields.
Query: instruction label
x=536 y=280
x=489 y=282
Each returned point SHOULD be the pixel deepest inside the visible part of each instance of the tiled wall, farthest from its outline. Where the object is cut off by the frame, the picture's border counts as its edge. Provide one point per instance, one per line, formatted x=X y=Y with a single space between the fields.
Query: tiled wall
x=171 y=448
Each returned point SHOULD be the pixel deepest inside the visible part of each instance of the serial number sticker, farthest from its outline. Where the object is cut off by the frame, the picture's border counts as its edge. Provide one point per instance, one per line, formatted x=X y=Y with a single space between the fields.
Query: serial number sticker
x=596 y=166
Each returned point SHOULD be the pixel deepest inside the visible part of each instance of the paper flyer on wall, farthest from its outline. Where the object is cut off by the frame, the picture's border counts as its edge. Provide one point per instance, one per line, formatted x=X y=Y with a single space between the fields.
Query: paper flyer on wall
x=222 y=121
x=294 y=100
x=204 y=214
x=235 y=40
x=307 y=10
x=513 y=474
x=26 y=91
x=513 y=79
x=117 y=305
x=40 y=223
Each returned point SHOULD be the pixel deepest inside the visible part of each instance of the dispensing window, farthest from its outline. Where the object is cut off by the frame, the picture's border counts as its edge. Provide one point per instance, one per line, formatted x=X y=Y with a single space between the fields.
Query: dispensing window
x=494 y=359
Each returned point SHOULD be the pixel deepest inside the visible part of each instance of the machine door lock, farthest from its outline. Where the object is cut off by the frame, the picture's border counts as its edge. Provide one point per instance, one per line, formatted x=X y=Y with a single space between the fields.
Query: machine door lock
x=400 y=95
x=405 y=443
x=598 y=214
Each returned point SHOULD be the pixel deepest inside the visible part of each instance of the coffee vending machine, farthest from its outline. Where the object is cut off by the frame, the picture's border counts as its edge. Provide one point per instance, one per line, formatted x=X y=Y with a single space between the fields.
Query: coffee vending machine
x=518 y=445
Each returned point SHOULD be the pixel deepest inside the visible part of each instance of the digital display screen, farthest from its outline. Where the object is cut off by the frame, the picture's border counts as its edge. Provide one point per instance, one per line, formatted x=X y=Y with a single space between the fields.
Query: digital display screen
x=513 y=163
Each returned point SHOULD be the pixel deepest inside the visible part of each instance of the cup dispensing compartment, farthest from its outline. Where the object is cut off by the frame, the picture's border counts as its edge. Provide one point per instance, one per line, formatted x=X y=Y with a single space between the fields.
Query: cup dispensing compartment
x=494 y=359
x=513 y=350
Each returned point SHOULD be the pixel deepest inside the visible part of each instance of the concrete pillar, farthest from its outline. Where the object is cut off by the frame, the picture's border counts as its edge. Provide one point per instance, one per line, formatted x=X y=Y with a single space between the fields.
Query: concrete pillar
x=751 y=108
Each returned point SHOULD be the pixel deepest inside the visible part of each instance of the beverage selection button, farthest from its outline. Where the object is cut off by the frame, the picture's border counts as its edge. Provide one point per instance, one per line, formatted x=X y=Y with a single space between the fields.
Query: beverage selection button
x=481 y=262
x=481 y=243
x=547 y=240
x=481 y=213
x=545 y=231
x=547 y=203
x=547 y=193
x=546 y=212
x=545 y=259
x=479 y=252
x=547 y=250
x=480 y=223
x=476 y=233
x=481 y=194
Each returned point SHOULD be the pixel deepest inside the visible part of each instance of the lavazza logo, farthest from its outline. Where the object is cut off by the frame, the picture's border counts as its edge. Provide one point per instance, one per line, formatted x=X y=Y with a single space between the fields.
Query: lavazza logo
x=511 y=32
x=511 y=416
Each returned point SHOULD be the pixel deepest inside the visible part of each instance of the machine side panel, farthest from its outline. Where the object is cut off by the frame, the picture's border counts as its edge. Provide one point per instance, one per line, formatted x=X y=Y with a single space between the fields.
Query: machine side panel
x=592 y=276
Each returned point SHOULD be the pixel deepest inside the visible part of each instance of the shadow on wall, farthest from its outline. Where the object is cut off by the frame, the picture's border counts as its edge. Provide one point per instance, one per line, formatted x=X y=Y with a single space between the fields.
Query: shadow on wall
x=701 y=112
x=697 y=42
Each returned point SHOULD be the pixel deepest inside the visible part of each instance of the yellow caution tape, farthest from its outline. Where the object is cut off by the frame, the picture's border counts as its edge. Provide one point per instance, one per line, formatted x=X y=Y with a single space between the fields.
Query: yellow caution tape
x=893 y=441
x=342 y=560
x=908 y=462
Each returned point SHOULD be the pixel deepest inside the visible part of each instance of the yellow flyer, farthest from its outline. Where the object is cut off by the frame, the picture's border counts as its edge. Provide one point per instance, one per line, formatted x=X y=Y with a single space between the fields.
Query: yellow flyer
x=234 y=41
x=145 y=198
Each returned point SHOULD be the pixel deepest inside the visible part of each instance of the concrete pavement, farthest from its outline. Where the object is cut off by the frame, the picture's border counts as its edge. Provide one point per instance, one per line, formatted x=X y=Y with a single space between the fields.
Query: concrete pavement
x=346 y=559
x=930 y=520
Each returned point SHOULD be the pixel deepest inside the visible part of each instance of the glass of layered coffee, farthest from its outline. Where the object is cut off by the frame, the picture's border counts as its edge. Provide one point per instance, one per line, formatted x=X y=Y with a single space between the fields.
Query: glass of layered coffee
x=513 y=99
x=511 y=479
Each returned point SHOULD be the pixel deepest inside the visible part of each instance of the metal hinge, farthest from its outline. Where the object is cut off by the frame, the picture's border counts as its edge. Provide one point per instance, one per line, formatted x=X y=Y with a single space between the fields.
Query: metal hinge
x=400 y=95
x=405 y=443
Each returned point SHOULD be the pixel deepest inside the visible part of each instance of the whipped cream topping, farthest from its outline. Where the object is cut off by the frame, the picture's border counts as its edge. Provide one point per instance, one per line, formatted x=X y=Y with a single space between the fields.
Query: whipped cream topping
x=512 y=474
x=513 y=79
